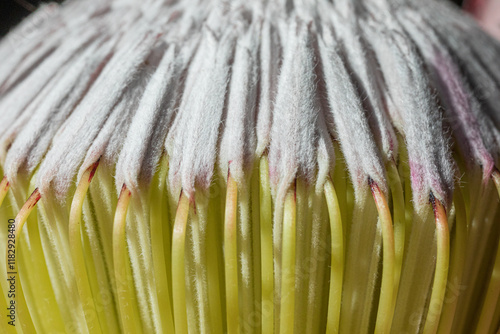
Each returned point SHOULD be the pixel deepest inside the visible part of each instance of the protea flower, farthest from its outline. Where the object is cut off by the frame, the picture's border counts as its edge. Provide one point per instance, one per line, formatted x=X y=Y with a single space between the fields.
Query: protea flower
x=250 y=167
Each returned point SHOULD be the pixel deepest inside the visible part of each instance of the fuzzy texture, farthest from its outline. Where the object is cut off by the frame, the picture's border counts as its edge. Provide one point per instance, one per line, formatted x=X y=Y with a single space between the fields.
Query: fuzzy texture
x=294 y=131
x=148 y=128
x=242 y=85
x=35 y=137
x=362 y=65
x=461 y=107
x=238 y=143
x=201 y=113
x=231 y=94
x=77 y=135
x=410 y=89
x=351 y=124
x=256 y=116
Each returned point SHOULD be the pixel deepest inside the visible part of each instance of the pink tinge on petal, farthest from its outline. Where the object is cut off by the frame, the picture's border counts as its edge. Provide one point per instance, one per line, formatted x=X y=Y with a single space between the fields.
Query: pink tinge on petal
x=487 y=12
x=424 y=182
x=464 y=122
x=417 y=182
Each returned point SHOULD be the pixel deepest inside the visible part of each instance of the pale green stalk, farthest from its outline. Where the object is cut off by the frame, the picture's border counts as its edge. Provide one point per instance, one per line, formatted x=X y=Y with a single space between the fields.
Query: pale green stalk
x=107 y=308
x=361 y=266
x=157 y=221
x=441 y=272
x=255 y=319
x=287 y=314
x=4 y=188
x=458 y=248
x=124 y=280
x=317 y=260
x=198 y=227
x=481 y=223
x=415 y=278
x=493 y=291
x=266 y=236
x=231 y=257
x=214 y=265
x=94 y=285
x=337 y=259
x=141 y=264
x=386 y=299
x=244 y=241
x=398 y=208
x=404 y=172
x=45 y=301
x=77 y=252
x=302 y=250
x=178 y=266
x=23 y=314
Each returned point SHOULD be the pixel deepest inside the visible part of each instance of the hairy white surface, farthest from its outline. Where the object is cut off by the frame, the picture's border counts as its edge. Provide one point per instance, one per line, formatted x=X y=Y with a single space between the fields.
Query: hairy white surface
x=351 y=124
x=52 y=109
x=79 y=132
x=432 y=168
x=208 y=88
x=294 y=135
x=237 y=148
x=215 y=85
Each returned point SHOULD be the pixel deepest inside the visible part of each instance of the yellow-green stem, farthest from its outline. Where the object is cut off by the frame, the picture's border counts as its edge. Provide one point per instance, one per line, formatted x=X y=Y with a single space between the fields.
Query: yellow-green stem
x=386 y=302
x=157 y=219
x=124 y=281
x=75 y=241
x=493 y=292
x=178 y=266
x=441 y=272
x=398 y=207
x=23 y=313
x=214 y=268
x=337 y=259
x=231 y=256
x=288 y=264
x=457 y=264
x=266 y=236
x=4 y=188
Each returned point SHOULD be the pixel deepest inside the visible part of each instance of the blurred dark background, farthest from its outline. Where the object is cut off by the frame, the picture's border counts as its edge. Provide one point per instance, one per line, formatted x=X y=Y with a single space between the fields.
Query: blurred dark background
x=13 y=11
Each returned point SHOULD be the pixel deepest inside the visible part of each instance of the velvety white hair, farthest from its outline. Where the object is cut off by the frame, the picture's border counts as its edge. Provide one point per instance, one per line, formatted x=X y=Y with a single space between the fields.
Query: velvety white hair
x=213 y=86
x=217 y=83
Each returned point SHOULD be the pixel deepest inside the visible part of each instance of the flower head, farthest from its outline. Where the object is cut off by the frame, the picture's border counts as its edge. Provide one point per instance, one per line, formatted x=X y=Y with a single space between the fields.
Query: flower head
x=250 y=166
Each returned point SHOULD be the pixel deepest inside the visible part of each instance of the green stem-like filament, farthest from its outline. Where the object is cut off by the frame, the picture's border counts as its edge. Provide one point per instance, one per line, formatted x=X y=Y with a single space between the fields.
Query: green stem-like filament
x=317 y=264
x=288 y=263
x=214 y=266
x=493 y=292
x=456 y=265
x=304 y=311
x=404 y=172
x=266 y=241
x=12 y=255
x=255 y=319
x=398 y=207
x=441 y=272
x=157 y=218
x=4 y=188
x=385 y=307
x=124 y=280
x=75 y=241
x=337 y=259
x=245 y=255
x=178 y=266
x=198 y=227
x=231 y=256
